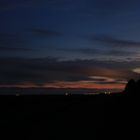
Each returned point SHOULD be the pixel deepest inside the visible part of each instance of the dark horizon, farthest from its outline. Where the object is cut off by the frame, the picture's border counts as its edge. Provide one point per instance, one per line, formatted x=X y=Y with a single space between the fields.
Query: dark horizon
x=55 y=91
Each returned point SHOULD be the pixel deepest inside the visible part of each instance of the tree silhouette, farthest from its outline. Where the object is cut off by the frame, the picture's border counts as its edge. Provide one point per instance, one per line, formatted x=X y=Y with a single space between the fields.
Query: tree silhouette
x=132 y=87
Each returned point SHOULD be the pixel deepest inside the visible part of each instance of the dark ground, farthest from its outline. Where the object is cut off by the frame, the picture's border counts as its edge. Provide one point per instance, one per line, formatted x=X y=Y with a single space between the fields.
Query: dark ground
x=70 y=117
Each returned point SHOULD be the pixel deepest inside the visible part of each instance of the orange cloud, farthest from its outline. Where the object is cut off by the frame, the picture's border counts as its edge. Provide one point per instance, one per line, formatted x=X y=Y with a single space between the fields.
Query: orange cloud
x=65 y=84
x=83 y=84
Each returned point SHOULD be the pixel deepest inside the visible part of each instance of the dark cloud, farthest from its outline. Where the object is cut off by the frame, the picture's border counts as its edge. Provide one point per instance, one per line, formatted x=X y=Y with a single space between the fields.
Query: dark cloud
x=12 y=42
x=103 y=8
x=45 y=33
x=38 y=71
x=10 y=49
x=112 y=41
x=10 y=38
x=88 y=50
x=120 y=52
x=10 y=5
x=79 y=50
x=110 y=9
x=95 y=51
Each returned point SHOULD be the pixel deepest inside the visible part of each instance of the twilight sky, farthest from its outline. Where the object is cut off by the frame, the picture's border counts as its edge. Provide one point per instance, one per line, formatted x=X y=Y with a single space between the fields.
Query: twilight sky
x=69 y=43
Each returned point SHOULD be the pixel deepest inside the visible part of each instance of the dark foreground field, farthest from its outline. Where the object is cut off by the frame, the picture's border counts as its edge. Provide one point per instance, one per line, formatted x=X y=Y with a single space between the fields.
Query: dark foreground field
x=70 y=117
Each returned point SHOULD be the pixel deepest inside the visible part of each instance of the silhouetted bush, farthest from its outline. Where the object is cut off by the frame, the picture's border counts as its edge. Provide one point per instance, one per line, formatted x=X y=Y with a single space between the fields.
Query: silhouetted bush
x=132 y=87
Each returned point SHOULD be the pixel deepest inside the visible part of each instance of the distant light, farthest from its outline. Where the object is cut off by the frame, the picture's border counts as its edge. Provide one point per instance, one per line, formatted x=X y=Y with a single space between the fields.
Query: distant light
x=66 y=94
x=107 y=92
x=17 y=94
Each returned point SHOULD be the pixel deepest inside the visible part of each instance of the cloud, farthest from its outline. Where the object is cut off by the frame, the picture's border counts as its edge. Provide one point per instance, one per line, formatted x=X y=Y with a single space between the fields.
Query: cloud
x=112 y=41
x=12 y=42
x=52 y=70
x=102 y=79
x=106 y=80
x=10 y=5
x=120 y=52
x=95 y=51
x=10 y=49
x=6 y=5
x=45 y=33
x=79 y=50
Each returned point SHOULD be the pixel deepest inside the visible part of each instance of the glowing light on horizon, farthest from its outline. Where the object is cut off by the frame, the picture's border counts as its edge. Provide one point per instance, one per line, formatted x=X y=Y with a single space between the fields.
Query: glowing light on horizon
x=85 y=84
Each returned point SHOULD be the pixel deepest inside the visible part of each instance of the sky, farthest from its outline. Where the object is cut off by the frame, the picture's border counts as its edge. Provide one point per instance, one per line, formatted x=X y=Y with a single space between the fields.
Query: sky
x=69 y=43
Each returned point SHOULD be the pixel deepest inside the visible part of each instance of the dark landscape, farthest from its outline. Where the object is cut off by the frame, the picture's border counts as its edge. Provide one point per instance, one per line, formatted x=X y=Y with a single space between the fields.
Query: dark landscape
x=113 y=116
x=67 y=69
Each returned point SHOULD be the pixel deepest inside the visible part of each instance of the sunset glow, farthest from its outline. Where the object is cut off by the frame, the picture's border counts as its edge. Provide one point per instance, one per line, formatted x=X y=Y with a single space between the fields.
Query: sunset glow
x=79 y=84
x=92 y=44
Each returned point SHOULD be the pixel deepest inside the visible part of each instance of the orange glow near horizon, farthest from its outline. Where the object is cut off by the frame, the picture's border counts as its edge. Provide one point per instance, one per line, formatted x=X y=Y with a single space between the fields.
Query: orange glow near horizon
x=83 y=84
x=64 y=84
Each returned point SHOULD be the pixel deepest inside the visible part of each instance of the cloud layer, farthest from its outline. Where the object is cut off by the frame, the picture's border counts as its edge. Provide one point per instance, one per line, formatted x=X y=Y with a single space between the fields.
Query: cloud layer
x=45 y=33
x=12 y=42
x=51 y=72
x=112 y=41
